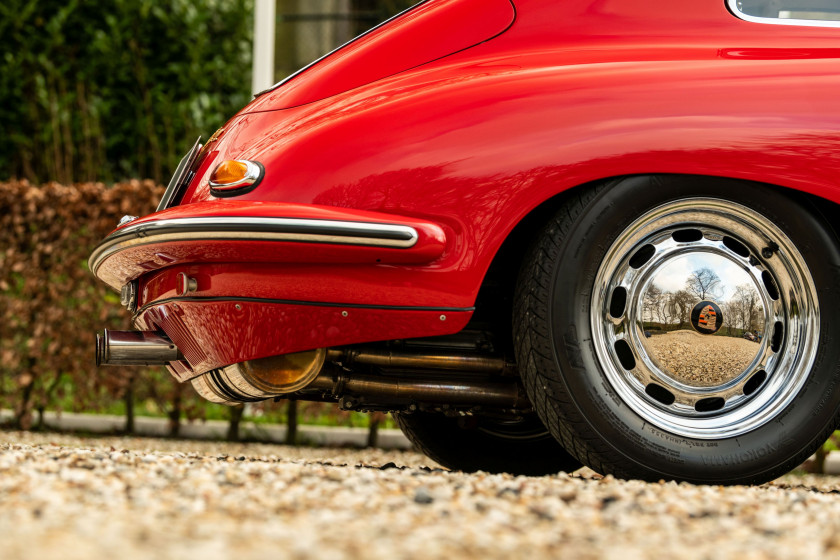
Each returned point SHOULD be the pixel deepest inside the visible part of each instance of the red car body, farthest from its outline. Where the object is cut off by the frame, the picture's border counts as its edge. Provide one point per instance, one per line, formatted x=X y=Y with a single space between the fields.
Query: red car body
x=465 y=121
x=467 y=145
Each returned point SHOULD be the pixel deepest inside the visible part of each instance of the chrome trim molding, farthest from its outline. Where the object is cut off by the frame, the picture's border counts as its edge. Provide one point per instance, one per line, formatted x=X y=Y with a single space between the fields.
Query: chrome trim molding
x=128 y=296
x=247 y=228
x=733 y=7
x=180 y=178
x=275 y=301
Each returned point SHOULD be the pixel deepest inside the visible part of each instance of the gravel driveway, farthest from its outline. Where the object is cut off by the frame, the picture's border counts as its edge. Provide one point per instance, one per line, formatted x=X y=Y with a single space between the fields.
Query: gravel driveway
x=66 y=497
x=701 y=360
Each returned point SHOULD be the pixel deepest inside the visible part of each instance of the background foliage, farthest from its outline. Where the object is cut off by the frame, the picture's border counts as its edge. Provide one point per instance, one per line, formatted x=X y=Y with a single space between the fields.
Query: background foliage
x=49 y=303
x=103 y=91
x=116 y=89
x=51 y=306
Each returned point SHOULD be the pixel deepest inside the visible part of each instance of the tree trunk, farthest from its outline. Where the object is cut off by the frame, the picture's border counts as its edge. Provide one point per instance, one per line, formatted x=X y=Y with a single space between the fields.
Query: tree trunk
x=46 y=399
x=291 y=422
x=40 y=425
x=235 y=420
x=129 y=406
x=373 y=429
x=818 y=466
x=23 y=414
x=175 y=414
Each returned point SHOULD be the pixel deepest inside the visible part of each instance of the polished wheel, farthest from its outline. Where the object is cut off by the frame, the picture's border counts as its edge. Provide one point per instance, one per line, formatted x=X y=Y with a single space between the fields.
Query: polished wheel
x=743 y=354
x=680 y=327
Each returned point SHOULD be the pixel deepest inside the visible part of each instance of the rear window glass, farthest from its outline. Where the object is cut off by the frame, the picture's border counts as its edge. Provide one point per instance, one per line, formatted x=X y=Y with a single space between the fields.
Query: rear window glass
x=794 y=12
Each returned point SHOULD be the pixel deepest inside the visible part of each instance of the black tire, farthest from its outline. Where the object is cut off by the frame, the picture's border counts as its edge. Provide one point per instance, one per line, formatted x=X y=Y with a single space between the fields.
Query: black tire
x=596 y=414
x=472 y=444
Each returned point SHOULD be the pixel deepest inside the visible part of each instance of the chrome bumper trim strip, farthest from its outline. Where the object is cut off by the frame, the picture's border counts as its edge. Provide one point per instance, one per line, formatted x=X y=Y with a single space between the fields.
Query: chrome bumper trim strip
x=246 y=228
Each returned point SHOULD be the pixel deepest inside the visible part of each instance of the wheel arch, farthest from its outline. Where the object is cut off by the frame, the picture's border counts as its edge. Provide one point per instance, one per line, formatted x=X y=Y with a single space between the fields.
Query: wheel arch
x=493 y=304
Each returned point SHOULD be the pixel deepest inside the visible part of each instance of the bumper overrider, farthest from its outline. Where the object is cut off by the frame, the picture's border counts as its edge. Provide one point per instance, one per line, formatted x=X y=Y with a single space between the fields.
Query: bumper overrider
x=217 y=287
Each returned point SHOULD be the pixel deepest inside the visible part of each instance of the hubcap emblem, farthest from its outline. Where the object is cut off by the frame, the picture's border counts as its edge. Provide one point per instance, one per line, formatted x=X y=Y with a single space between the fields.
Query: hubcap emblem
x=706 y=317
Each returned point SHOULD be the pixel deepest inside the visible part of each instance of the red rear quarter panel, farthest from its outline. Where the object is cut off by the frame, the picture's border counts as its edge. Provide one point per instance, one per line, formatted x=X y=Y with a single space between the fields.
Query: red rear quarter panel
x=573 y=92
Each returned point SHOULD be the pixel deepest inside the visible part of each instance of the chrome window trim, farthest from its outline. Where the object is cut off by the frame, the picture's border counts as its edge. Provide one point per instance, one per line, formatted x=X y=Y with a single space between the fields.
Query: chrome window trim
x=733 y=7
x=247 y=228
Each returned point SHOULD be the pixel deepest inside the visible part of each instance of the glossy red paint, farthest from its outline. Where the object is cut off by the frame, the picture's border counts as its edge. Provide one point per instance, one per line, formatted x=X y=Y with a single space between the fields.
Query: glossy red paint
x=212 y=334
x=358 y=284
x=472 y=142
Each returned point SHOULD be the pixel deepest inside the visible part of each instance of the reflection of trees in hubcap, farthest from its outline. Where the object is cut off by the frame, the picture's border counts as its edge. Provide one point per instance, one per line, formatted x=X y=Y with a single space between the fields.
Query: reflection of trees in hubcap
x=704 y=283
x=745 y=369
x=736 y=299
x=686 y=297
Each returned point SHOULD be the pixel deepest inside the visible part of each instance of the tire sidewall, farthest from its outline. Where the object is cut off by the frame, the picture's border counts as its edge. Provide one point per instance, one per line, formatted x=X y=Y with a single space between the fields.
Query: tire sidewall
x=765 y=452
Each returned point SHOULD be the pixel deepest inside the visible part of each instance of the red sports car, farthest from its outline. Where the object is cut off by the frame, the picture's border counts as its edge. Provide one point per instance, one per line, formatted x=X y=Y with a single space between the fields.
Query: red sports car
x=537 y=231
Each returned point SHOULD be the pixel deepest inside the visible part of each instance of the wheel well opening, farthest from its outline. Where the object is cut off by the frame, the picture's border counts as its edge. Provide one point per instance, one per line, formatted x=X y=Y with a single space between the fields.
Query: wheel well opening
x=494 y=302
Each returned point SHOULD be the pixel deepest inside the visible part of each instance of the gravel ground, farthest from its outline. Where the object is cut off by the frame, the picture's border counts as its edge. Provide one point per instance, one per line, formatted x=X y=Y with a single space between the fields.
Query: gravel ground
x=67 y=497
x=702 y=360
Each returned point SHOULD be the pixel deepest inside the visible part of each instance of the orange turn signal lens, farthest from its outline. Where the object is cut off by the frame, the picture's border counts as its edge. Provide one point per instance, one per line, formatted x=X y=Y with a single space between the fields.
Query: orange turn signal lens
x=230 y=171
x=235 y=176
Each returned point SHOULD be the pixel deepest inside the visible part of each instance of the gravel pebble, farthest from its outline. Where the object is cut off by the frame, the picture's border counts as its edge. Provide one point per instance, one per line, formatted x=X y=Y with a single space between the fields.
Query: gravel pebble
x=67 y=497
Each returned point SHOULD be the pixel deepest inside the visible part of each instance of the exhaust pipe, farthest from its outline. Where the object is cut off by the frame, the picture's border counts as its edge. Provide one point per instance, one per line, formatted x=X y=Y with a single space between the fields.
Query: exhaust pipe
x=229 y=386
x=135 y=348
x=260 y=379
x=451 y=389
x=465 y=363
x=286 y=374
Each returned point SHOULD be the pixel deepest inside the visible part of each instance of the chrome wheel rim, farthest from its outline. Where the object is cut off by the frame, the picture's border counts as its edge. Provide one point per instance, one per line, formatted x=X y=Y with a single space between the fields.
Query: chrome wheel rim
x=697 y=373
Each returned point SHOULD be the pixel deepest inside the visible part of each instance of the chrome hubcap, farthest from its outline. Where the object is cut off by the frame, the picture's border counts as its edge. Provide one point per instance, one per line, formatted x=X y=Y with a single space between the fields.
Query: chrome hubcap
x=705 y=318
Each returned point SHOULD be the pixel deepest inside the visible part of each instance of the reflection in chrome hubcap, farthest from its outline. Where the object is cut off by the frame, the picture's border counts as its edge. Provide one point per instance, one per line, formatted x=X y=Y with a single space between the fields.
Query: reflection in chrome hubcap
x=682 y=306
x=696 y=330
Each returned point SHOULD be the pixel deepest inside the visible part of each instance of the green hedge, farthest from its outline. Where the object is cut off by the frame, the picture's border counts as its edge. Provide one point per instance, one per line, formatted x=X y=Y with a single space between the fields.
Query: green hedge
x=51 y=306
x=110 y=90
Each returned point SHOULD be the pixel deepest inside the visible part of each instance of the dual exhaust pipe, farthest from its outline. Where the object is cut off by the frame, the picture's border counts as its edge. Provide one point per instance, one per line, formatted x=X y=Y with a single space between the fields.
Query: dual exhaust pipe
x=286 y=374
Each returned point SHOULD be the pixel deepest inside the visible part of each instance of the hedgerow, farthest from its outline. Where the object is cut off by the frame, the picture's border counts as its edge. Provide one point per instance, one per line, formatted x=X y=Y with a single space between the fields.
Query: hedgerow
x=51 y=306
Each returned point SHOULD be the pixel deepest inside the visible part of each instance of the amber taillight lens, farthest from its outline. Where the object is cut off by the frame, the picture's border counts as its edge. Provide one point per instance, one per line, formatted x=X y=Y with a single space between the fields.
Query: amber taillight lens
x=235 y=176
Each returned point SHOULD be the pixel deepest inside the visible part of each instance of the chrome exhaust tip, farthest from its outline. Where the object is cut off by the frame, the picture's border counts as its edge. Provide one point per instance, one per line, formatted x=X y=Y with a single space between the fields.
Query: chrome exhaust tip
x=260 y=379
x=135 y=348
